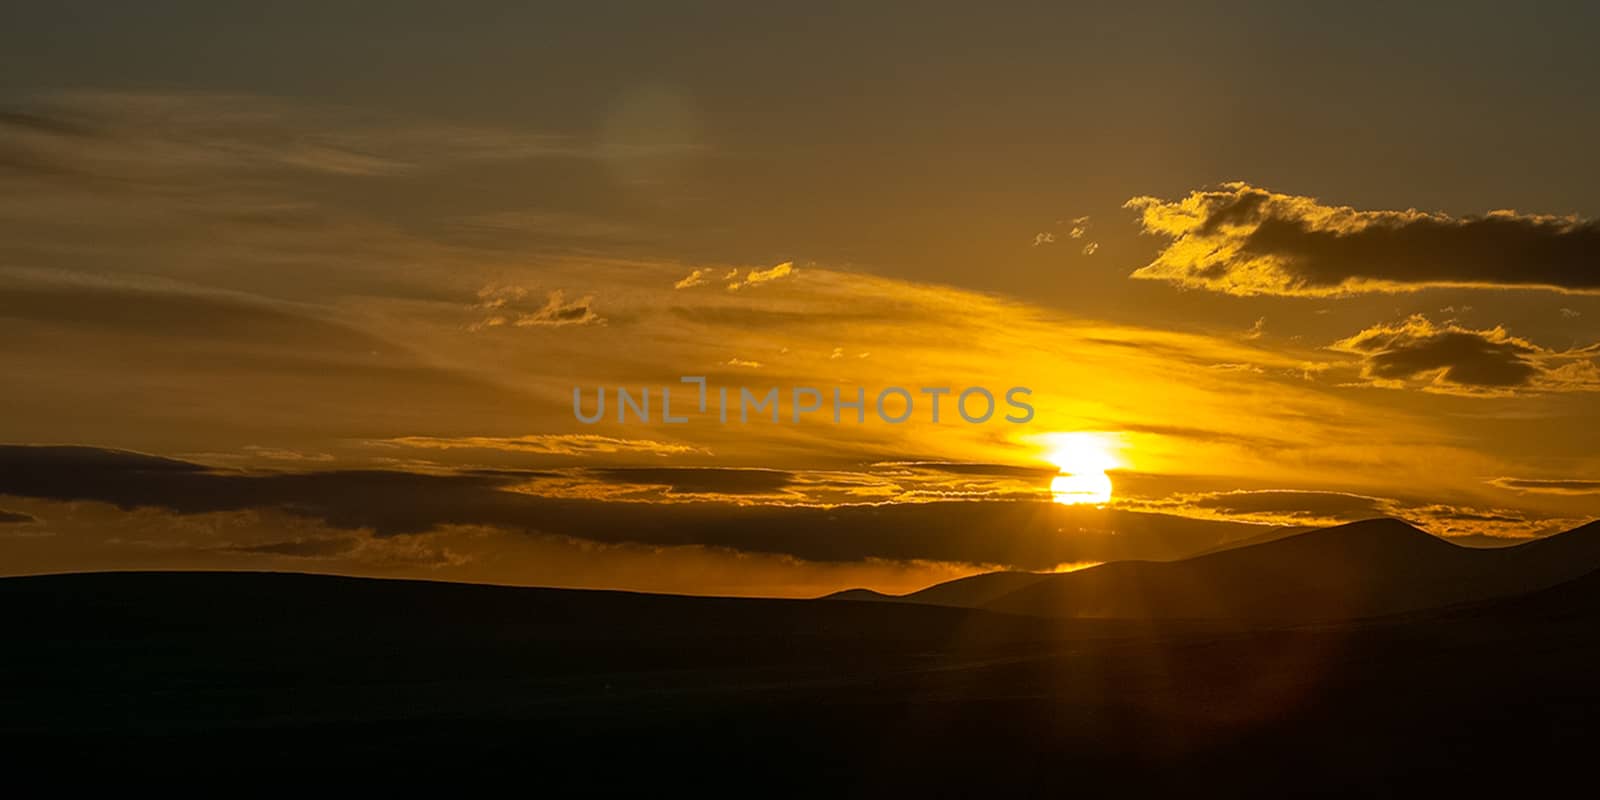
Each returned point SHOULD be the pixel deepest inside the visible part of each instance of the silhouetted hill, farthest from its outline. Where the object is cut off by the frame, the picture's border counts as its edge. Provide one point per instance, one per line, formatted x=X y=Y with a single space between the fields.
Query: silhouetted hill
x=975 y=591
x=1576 y=601
x=1368 y=568
x=862 y=596
x=972 y=591
x=282 y=678
x=1270 y=535
x=1555 y=558
x=244 y=605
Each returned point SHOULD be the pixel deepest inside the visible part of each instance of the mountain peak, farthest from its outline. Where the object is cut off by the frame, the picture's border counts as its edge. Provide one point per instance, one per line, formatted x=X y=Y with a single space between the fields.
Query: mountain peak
x=859 y=594
x=1380 y=525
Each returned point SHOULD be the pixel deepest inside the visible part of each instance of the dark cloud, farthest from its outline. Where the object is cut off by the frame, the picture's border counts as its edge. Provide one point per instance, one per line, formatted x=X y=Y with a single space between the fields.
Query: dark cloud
x=1476 y=358
x=15 y=517
x=1450 y=514
x=1466 y=358
x=698 y=480
x=1246 y=240
x=1028 y=535
x=563 y=444
x=1451 y=358
x=1294 y=503
x=1312 y=508
x=517 y=474
x=980 y=470
x=387 y=502
x=301 y=548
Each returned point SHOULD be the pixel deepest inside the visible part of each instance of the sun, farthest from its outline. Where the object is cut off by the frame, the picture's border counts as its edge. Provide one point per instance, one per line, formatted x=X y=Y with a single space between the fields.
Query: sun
x=1083 y=459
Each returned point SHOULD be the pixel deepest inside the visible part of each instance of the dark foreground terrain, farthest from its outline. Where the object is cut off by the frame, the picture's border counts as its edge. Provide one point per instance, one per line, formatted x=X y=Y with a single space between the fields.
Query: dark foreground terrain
x=248 y=679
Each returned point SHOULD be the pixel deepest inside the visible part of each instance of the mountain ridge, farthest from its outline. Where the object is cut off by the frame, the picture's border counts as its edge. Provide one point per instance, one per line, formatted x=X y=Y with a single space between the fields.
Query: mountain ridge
x=1366 y=568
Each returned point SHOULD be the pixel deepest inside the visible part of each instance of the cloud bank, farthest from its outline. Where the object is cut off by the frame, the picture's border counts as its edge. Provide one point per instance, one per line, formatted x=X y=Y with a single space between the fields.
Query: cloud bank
x=385 y=503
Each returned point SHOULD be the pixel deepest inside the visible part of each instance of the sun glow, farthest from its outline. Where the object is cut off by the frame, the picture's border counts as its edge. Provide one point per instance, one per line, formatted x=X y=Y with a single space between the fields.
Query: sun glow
x=1083 y=459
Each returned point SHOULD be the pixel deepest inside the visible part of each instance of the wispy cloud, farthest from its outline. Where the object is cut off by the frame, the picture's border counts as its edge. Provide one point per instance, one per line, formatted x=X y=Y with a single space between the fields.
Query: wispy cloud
x=127 y=132
x=756 y=277
x=695 y=278
x=564 y=444
x=1563 y=486
x=507 y=306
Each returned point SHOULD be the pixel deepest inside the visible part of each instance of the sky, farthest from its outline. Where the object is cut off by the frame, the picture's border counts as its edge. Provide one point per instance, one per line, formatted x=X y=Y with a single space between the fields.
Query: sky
x=311 y=286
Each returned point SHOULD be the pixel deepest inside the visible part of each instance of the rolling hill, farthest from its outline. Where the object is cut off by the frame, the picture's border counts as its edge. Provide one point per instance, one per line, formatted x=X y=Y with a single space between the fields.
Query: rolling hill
x=1368 y=568
x=300 y=678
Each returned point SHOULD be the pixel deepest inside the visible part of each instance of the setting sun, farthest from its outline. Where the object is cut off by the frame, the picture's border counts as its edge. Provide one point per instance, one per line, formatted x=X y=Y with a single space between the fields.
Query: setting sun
x=1083 y=459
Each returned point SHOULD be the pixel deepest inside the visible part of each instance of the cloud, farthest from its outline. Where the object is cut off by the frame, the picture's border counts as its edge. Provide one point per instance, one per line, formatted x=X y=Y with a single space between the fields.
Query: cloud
x=739 y=362
x=1286 y=505
x=563 y=444
x=694 y=278
x=1246 y=240
x=282 y=454
x=15 y=518
x=193 y=135
x=1456 y=360
x=506 y=306
x=698 y=480
x=556 y=311
x=757 y=277
x=1315 y=508
x=226 y=357
x=978 y=469
x=301 y=548
x=1076 y=228
x=1561 y=486
x=388 y=504
x=1249 y=441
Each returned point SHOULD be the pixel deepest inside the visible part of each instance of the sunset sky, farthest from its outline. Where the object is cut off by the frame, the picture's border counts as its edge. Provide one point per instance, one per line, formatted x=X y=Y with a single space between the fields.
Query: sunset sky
x=312 y=290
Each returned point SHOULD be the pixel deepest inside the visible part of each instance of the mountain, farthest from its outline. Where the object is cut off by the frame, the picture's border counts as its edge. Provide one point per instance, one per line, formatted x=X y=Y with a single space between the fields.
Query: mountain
x=1367 y=568
x=1271 y=535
